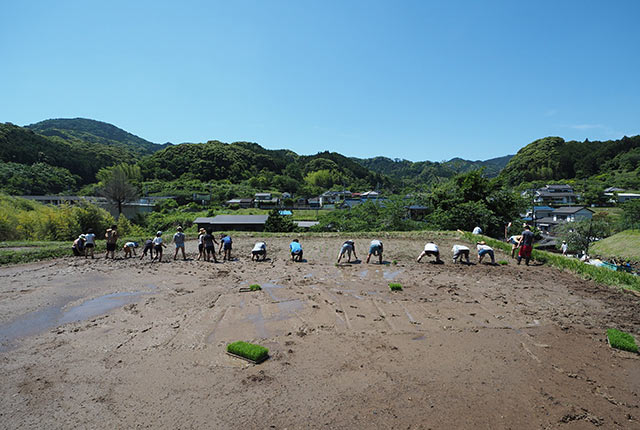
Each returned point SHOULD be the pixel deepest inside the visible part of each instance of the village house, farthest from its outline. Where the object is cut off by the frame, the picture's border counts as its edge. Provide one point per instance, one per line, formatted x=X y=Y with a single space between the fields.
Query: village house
x=555 y=195
x=239 y=203
x=265 y=201
x=563 y=214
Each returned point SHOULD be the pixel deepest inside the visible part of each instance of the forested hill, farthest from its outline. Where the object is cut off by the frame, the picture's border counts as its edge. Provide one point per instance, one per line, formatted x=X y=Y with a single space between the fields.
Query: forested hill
x=613 y=162
x=428 y=171
x=92 y=131
x=36 y=164
x=239 y=161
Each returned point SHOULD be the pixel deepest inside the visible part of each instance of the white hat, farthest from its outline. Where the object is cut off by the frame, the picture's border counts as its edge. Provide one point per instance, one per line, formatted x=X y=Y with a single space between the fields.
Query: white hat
x=159 y=233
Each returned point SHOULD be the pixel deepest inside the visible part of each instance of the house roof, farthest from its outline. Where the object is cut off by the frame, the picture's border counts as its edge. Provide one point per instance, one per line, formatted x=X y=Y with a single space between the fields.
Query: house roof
x=570 y=209
x=612 y=189
x=542 y=208
x=558 y=187
x=547 y=220
x=232 y=219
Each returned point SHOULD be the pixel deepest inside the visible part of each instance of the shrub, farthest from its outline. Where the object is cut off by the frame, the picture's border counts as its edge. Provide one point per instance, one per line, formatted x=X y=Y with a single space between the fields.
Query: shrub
x=503 y=262
x=248 y=350
x=621 y=340
x=255 y=287
x=395 y=287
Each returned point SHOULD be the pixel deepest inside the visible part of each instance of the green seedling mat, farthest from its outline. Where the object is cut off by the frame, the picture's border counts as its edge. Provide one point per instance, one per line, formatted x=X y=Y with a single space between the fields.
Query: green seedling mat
x=248 y=359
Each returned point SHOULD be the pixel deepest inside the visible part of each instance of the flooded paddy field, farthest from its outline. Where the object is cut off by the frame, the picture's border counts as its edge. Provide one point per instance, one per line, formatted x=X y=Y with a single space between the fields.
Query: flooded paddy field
x=130 y=343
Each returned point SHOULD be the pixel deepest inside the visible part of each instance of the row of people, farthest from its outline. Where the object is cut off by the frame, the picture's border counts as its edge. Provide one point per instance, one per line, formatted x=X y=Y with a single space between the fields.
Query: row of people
x=207 y=248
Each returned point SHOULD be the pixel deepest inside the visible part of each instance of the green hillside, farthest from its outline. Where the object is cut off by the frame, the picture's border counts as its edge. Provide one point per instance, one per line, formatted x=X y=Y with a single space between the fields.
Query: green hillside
x=421 y=172
x=40 y=161
x=624 y=245
x=613 y=162
x=91 y=131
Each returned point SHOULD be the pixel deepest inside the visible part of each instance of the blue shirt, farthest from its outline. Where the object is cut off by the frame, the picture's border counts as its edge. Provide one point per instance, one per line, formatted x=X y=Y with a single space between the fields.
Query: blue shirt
x=226 y=239
x=295 y=247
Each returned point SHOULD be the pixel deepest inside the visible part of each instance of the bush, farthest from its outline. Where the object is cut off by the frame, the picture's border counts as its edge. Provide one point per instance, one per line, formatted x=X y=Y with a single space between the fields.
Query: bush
x=251 y=351
x=621 y=340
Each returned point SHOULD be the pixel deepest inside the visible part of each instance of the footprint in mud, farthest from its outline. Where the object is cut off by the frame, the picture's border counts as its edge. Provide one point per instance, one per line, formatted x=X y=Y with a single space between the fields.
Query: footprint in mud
x=261 y=376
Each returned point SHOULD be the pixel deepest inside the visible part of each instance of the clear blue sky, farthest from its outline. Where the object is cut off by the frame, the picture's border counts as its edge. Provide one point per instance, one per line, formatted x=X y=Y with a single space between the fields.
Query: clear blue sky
x=408 y=79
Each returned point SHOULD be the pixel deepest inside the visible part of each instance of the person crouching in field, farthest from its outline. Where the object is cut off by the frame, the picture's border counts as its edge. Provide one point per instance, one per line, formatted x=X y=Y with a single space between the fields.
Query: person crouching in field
x=89 y=243
x=460 y=251
x=225 y=245
x=433 y=250
x=112 y=241
x=484 y=249
x=259 y=250
x=515 y=244
x=78 y=246
x=296 y=250
x=375 y=248
x=158 y=244
x=348 y=247
x=148 y=247
x=129 y=249
x=178 y=239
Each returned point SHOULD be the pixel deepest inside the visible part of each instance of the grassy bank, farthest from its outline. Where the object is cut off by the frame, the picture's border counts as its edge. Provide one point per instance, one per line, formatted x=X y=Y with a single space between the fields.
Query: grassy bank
x=624 y=245
x=586 y=271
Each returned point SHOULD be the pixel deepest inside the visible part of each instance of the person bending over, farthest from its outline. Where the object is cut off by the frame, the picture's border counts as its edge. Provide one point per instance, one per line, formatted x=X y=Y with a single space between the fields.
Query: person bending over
x=432 y=250
x=259 y=250
x=375 y=248
x=296 y=250
x=348 y=247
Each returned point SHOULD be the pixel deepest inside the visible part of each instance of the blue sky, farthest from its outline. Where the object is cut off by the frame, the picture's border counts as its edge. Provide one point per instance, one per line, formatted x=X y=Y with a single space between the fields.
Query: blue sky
x=408 y=79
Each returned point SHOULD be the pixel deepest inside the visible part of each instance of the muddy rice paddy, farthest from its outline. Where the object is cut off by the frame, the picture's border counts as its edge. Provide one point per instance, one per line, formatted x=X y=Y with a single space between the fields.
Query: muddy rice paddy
x=131 y=344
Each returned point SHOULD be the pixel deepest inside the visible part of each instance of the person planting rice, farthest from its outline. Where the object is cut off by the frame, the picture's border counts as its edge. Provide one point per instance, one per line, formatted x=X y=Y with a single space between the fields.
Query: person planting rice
x=148 y=247
x=348 y=247
x=375 y=248
x=201 y=234
x=225 y=244
x=431 y=249
x=129 y=249
x=526 y=245
x=112 y=241
x=178 y=239
x=78 y=246
x=484 y=249
x=477 y=230
x=90 y=243
x=209 y=248
x=460 y=251
x=259 y=249
x=158 y=244
x=296 y=250
x=515 y=244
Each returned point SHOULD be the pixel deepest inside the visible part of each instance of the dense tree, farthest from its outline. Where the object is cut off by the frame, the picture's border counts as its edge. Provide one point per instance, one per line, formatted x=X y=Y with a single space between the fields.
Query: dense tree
x=279 y=223
x=580 y=234
x=631 y=214
x=117 y=183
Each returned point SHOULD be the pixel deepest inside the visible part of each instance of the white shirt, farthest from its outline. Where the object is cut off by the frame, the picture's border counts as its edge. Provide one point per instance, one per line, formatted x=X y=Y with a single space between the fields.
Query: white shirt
x=130 y=245
x=458 y=248
x=376 y=242
x=484 y=247
x=431 y=247
x=90 y=238
x=157 y=240
x=259 y=246
x=477 y=230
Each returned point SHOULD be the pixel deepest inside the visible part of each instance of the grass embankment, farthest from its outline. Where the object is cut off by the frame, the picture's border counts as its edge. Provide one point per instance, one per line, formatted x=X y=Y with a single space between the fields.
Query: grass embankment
x=598 y=274
x=621 y=246
x=17 y=252
x=621 y=340
x=248 y=350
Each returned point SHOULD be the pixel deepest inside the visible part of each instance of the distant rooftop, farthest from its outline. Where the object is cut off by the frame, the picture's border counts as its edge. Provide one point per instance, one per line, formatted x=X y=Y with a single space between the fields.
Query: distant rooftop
x=232 y=219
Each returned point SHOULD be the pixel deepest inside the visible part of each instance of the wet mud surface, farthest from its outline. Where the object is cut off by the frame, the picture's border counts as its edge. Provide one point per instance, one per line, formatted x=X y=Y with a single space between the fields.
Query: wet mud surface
x=129 y=343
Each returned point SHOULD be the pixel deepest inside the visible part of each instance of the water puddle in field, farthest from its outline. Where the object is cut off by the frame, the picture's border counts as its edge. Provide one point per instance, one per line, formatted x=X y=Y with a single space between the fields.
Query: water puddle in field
x=364 y=273
x=55 y=315
x=390 y=276
x=308 y=276
x=422 y=337
x=271 y=288
x=264 y=329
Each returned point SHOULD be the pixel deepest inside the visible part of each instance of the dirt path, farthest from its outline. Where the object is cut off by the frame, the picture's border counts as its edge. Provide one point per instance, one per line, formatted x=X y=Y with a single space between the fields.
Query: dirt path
x=127 y=343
